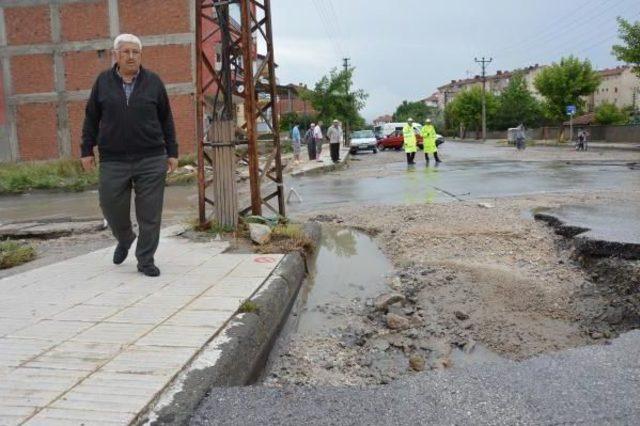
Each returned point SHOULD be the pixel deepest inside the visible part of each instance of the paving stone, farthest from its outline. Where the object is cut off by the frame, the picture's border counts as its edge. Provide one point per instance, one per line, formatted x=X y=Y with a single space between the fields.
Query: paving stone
x=120 y=334
x=165 y=361
x=14 y=351
x=82 y=356
x=88 y=313
x=144 y=314
x=235 y=287
x=73 y=417
x=177 y=336
x=215 y=303
x=210 y=319
x=52 y=330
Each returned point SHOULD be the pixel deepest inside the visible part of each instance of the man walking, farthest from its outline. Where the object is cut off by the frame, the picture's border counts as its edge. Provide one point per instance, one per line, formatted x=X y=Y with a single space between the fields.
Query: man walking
x=335 y=136
x=410 y=142
x=129 y=118
x=295 y=137
x=317 y=137
x=428 y=133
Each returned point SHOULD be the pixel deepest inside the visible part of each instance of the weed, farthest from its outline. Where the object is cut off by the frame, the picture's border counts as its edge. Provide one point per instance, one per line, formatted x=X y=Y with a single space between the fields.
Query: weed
x=248 y=306
x=66 y=175
x=14 y=254
x=287 y=238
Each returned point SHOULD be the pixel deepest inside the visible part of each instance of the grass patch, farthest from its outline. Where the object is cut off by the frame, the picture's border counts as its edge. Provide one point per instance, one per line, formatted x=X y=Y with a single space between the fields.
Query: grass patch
x=187 y=160
x=14 y=254
x=287 y=238
x=248 y=307
x=65 y=175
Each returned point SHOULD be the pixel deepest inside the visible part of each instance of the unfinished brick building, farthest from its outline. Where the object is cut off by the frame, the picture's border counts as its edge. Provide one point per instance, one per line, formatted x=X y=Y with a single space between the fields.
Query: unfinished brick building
x=52 y=51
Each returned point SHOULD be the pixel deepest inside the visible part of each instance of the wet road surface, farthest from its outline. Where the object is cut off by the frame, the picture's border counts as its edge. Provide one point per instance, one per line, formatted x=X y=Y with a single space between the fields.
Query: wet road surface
x=469 y=171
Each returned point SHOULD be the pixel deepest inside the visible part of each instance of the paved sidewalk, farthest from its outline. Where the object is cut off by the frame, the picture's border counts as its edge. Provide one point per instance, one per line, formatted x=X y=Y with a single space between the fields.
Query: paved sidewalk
x=86 y=341
x=307 y=165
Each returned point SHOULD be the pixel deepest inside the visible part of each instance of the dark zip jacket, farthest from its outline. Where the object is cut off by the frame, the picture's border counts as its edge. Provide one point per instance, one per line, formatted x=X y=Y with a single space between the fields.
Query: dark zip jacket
x=123 y=131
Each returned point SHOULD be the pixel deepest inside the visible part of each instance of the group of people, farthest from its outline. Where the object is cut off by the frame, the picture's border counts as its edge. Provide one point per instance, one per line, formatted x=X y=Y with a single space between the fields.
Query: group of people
x=583 y=136
x=314 y=139
x=428 y=133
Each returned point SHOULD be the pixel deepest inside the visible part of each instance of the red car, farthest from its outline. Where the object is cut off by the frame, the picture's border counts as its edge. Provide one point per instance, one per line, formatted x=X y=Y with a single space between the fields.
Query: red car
x=396 y=140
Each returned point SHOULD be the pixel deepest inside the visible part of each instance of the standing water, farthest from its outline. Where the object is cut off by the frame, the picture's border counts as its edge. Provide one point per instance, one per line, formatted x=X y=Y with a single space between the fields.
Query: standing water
x=348 y=269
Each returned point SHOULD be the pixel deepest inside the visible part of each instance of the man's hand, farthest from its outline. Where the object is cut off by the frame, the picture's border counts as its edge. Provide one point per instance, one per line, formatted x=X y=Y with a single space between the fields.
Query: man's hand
x=172 y=164
x=88 y=163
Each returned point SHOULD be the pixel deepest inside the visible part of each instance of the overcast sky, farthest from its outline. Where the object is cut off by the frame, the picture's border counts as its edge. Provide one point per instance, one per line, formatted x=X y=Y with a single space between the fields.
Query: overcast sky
x=405 y=49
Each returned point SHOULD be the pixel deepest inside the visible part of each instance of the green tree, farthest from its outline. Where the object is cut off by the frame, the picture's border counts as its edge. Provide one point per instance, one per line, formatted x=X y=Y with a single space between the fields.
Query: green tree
x=289 y=119
x=517 y=105
x=630 y=52
x=466 y=109
x=565 y=83
x=608 y=113
x=416 y=110
x=333 y=98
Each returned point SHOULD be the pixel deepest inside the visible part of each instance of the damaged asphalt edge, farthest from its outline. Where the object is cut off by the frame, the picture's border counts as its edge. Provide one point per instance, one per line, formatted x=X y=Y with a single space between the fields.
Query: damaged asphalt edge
x=237 y=354
x=588 y=246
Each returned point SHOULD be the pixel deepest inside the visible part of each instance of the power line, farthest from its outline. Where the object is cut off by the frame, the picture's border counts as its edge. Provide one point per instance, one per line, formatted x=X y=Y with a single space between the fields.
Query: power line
x=484 y=63
x=326 y=23
x=552 y=29
x=577 y=24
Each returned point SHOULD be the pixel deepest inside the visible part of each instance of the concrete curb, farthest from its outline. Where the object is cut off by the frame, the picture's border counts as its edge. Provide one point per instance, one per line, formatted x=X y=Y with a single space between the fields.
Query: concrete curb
x=325 y=168
x=588 y=246
x=237 y=354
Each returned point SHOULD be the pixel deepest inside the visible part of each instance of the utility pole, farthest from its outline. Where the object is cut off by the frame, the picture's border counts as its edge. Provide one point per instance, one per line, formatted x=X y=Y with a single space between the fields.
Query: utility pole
x=345 y=65
x=484 y=63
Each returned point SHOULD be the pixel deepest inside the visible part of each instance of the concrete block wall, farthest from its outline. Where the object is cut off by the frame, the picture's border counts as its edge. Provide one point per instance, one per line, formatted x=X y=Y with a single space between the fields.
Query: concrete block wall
x=52 y=51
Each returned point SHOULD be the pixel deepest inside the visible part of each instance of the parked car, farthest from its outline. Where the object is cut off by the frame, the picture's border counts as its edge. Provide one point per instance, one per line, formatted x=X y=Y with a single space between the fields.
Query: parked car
x=396 y=141
x=363 y=140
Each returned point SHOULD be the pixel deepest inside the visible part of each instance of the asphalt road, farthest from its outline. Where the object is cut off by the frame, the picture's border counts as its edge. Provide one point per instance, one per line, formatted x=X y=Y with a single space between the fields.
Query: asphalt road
x=595 y=385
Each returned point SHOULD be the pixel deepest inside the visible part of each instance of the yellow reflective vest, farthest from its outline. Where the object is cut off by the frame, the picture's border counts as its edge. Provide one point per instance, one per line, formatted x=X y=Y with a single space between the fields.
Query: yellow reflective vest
x=410 y=141
x=428 y=133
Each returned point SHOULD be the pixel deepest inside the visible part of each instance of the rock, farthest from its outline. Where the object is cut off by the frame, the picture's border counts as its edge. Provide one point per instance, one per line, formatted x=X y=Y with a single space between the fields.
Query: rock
x=260 y=234
x=461 y=315
x=596 y=335
x=485 y=205
x=396 y=308
x=383 y=301
x=380 y=345
x=416 y=362
x=469 y=346
x=441 y=364
x=397 y=322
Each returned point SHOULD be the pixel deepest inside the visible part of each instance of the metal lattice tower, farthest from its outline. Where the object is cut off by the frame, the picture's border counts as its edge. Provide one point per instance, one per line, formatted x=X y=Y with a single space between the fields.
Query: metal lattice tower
x=229 y=73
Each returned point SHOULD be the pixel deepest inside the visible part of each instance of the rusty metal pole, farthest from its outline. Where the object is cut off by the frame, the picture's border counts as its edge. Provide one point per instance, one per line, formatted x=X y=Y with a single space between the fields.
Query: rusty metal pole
x=275 y=119
x=202 y=217
x=250 y=106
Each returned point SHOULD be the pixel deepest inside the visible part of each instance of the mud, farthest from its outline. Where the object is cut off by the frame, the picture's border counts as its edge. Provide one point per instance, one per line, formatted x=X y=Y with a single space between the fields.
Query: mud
x=482 y=281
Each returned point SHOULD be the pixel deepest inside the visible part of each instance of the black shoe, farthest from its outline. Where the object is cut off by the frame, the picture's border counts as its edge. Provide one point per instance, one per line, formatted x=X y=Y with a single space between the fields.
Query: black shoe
x=120 y=254
x=149 y=270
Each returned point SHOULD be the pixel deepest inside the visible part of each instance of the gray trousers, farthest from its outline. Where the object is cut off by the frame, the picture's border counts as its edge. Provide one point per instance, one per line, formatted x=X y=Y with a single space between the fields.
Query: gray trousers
x=147 y=179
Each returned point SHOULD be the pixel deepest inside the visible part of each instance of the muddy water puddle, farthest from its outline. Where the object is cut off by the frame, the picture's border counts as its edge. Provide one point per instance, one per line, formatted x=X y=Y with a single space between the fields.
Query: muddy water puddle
x=336 y=336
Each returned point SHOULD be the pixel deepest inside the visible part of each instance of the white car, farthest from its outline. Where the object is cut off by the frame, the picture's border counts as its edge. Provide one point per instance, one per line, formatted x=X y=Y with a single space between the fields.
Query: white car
x=363 y=140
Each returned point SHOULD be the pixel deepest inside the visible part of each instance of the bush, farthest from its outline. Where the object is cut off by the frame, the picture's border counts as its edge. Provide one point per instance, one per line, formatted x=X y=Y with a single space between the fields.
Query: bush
x=608 y=113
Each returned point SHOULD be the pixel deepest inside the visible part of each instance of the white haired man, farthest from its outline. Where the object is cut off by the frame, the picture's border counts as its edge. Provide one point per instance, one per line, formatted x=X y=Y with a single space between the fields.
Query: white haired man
x=128 y=117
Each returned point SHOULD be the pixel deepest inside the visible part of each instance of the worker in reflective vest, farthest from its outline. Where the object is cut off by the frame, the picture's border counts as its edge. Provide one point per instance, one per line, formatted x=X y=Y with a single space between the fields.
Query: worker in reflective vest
x=428 y=133
x=410 y=142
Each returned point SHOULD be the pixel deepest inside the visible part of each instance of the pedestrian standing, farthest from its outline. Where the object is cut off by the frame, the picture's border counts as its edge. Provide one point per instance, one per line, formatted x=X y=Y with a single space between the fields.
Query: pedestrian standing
x=521 y=137
x=410 y=142
x=128 y=116
x=335 y=136
x=317 y=137
x=295 y=142
x=310 y=141
x=428 y=133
